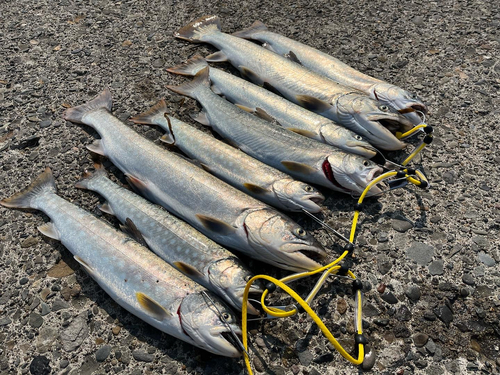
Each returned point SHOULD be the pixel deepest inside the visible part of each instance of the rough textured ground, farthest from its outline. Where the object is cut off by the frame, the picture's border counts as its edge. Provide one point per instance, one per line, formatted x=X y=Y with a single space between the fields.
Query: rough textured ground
x=428 y=259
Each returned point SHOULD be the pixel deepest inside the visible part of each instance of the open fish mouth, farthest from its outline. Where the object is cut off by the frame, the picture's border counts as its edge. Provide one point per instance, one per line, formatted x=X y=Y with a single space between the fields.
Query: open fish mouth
x=394 y=123
x=378 y=188
x=228 y=336
x=307 y=257
x=313 y=203
x=414 y=108
x=254 y=294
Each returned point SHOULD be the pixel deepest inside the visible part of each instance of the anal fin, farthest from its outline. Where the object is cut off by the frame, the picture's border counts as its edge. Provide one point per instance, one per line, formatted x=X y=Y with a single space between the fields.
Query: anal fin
x=106 y=208
x=218 y=56
x=251 y=75
x=294 y=166
x=215 y=225
x=84 y=264
x=264 y=115
x=139 y=185
x=49 y=229
x=97 y=147
x=200 y=117
x=305 y=133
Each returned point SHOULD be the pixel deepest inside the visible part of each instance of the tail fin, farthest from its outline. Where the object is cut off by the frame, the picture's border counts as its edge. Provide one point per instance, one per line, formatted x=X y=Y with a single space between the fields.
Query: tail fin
x=153 y=116
x=195 y=31
x=190 y=67
x=189 y=88
x=250 y=32
x=42 y=184
x=88 y=177
x=76 y=114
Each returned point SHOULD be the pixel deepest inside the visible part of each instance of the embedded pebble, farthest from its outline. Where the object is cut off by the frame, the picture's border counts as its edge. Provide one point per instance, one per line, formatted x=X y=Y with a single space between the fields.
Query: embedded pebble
x=420 y=253
x=420 y=339
x=102 y=353
x=436 y=267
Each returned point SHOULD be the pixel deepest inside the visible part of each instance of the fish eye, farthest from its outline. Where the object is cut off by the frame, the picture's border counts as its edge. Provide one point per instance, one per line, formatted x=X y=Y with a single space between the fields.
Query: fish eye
x=225 y=316
x=413 y=96
x=384 y=108
x=358 y=137
x=308 y=188
x=247 y=278
x=300 y=232
x=366 y=163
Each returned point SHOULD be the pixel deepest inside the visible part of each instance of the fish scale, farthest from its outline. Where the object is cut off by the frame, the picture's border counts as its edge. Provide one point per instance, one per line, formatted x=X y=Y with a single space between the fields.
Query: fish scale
x=175 y=241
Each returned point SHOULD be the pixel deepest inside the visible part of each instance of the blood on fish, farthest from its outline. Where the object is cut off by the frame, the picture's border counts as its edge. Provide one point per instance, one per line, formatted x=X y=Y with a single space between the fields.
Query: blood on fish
x=327 y=170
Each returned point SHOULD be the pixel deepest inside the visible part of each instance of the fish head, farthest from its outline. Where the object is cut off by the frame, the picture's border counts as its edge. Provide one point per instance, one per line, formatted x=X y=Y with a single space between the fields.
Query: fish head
x=353 y=173
x=337 y=135
x=405 y=102
x=376 y=121
x=229 y=278
x=208 y=322
x=278 y=239
x=297 y=195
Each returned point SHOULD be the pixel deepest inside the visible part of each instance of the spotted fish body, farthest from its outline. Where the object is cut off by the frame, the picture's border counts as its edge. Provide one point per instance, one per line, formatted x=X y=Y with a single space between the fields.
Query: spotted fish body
x=174 y=241
x=301 y=157
x=219 y=211
x=349 y=107
x=233 y=166
x=275 y=108
x=336 y=70
x=134 y=277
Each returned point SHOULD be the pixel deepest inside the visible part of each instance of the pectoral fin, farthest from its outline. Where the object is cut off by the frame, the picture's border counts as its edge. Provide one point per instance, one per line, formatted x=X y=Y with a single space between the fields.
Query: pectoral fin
x=152 y=307
x=255 y=189
x=264 y=115
x=49 y=229
x=298 y=167
x=305 y=133
x=188 y=270
x=139 y=185
x=245 y=108
x=130 y=228
x=105 y=207
x=216 y=225
x=96 y=147
x=271 y=88
x=293 y=57
x=313 y=104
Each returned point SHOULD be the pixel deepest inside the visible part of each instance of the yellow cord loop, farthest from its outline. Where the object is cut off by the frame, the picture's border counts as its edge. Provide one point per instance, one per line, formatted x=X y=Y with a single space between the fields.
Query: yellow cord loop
x=426 y=141
x=332 y=268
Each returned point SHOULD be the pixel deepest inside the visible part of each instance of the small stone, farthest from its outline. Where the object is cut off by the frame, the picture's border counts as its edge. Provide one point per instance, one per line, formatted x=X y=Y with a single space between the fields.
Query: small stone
x=40 y=365
x=24 y=281
x=402 y=331
x=257 y=363
x=420 y=339
x=74 y=335
x=158 y=63
x=45 y=309
x=35 y=320
x=401 y=225
x=103 y=353
x=418 y=20
x=116 y=330
x=449 y=177
x=305 y=357
x=436 y=267
x=142 y=355
x=5 y=321
x=28 y=242
x=381 y=288
x=486 y=259
x=413 y=293
x=61 y=269
x=389 y=297
x=327 y=357
x=383 y=237
x=46 y=337
x=475 y=345
x=403 y=314
x=431 y=346
x=341 y=306
x=63 y=363
x=59 y=305
x=444 y=314
x=45 y=123
x=420 y=252
x=468 y=279
x=482 y=242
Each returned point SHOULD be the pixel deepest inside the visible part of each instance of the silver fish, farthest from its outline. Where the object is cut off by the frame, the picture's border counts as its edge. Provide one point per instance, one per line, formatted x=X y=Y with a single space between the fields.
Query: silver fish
x=221 y=212
x=301 y=157
x=134 y=277
x=405 y=102
x=349 y=107
x=233 y=166
x=176 y=242
x=272 y=107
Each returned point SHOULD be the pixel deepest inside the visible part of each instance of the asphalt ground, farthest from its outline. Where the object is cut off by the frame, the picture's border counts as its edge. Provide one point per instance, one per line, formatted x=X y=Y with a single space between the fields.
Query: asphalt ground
x=428 y=259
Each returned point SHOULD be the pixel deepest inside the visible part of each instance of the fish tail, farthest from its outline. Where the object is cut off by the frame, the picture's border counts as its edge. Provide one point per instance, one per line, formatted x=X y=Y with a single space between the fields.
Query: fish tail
x=250 y=32
x=190 y=88
x=24 y=199
x=76 y=114
x=196 y=30
x=190 y=67
x=153 y=116
x=88 y=176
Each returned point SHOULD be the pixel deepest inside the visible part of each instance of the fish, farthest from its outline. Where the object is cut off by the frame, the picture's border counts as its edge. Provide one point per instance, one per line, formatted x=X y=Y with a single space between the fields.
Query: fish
x=134 y=277
x=301 y=157
x=221 y=212
x=353 y=109
x=176 y=242
x=407 y=103
x=272 y=107
x=245 y=173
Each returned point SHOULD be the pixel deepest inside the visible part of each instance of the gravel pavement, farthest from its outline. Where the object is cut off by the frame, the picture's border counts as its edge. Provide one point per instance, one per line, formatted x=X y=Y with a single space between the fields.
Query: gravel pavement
x=429 y=260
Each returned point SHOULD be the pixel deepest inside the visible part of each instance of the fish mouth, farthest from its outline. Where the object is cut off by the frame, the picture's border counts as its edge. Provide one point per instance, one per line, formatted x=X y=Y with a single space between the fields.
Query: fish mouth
x=415 y=107
x=307 y=257
x=227 y=345
x=254 y=294
x=312 y=203
x=228 y=336
x=378 y=188
x=362 y=149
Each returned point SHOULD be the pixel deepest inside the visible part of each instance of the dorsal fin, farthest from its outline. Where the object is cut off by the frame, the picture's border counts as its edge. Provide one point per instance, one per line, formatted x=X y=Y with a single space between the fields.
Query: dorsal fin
x=188 y=270
x=130 y=228
x=215 y=225
x=250 y=32
x=255 y=189
x=152 y=307
x=293 y=166
x=152 y=115
x=313 y=104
